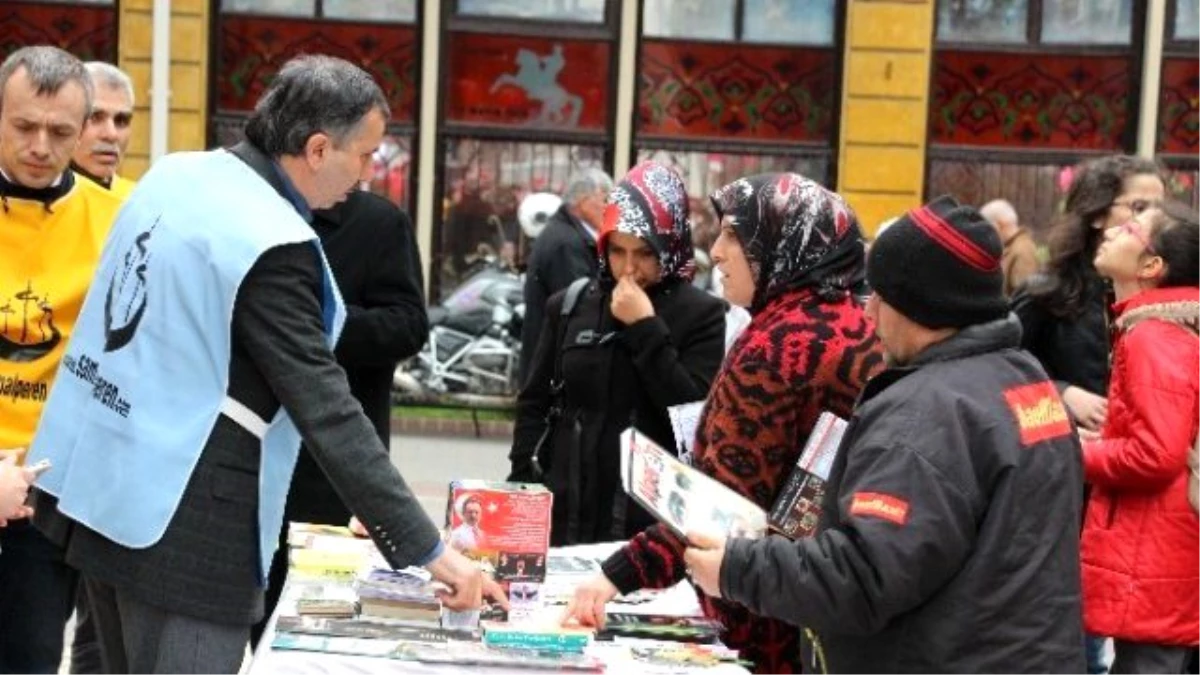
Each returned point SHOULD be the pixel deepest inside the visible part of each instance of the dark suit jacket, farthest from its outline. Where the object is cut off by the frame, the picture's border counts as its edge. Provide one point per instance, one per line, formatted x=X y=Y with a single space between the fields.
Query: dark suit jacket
x=206 y=564
x=372 y=251
x=563 y=253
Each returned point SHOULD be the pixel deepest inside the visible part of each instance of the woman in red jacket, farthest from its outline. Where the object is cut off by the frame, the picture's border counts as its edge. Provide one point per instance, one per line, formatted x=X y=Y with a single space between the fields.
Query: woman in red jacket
x=790 y=251
x=1140 y=535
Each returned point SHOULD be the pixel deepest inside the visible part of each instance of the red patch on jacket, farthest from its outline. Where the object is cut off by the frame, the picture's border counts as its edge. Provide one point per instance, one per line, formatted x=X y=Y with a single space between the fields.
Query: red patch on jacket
x=1039 y=412
x=879 y=505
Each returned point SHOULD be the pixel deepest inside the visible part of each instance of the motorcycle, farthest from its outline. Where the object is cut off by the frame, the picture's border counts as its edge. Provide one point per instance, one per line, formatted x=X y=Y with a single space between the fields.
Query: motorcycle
x=474 y=345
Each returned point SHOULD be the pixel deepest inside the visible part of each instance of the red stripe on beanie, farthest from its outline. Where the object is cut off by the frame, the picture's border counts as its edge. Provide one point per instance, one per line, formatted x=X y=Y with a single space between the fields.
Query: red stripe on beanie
x=953 y=241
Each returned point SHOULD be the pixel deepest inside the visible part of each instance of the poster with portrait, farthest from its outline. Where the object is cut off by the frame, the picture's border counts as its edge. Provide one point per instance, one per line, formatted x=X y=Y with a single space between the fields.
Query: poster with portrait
x=505 y=524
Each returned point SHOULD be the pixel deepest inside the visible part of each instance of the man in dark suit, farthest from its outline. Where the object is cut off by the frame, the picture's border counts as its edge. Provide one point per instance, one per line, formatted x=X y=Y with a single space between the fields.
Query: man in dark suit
x=186 y=600
x=565 y=251
x=373 y=254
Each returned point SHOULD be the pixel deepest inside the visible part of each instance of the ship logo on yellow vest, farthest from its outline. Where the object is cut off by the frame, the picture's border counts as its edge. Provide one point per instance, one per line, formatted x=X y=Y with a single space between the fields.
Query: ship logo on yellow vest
x=125 y=302
x=28 y=331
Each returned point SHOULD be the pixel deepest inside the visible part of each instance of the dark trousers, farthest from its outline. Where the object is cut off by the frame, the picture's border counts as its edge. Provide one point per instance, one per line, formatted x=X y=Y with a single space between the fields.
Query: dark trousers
x=1139 y=657
x=37 y=595
x=85 y=648
x=139 y=638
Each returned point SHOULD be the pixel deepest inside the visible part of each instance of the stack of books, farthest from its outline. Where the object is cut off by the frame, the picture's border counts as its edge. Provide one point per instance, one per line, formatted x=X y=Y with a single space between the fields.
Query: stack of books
x=399 y=594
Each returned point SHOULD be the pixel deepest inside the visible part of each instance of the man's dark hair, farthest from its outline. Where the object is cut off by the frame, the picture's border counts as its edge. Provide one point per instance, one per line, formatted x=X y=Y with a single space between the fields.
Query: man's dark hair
x=311 y=95
x=48 y=68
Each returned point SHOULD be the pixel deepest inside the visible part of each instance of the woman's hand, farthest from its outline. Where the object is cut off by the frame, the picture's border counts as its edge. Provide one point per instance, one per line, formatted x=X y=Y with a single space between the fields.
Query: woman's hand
x=1089 y=410
x=630 y=303
x=587 y=607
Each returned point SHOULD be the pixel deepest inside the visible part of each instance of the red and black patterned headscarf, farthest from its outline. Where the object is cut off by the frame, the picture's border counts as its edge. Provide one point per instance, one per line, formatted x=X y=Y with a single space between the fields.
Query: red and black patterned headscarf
x=651 y=203
x=795 y=233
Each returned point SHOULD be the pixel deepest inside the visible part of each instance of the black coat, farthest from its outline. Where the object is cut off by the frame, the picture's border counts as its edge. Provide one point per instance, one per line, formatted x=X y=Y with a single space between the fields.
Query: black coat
x=1074 y=351
x=950 y=529
x=564 y=252
x=373 y=254
x=615 y=376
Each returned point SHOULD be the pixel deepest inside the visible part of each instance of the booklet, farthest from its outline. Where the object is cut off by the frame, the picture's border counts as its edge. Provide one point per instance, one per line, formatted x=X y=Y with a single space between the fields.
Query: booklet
x=682 y=497
x=797 y=510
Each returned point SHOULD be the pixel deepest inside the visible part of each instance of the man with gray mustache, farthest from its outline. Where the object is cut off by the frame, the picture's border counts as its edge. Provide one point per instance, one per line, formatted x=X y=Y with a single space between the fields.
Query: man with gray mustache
x=109 y=126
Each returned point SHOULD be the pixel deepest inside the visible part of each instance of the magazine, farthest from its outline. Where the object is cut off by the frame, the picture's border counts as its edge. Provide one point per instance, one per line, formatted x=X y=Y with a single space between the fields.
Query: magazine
x=682 y=497
x=797 y=510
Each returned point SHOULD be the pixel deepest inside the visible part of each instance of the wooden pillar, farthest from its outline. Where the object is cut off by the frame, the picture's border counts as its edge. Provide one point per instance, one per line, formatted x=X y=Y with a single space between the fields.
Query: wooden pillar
x=189 y=76
x=885 y=107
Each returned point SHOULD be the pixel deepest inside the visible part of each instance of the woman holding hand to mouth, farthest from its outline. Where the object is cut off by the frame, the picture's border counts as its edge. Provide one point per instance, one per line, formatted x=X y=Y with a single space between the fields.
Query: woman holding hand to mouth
x=639 y=339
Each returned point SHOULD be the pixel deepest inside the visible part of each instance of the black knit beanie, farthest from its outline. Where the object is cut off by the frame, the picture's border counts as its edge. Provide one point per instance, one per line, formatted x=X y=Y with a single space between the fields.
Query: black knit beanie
x=939 y=265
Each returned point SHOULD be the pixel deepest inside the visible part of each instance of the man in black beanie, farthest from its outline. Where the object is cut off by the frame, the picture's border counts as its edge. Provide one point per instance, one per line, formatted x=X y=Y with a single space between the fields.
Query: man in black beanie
x=949 y=539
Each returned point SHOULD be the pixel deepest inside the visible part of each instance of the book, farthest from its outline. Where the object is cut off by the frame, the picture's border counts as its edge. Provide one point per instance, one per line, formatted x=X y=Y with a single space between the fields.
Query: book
x=411 y=610
x=682 y=497
x=368 y=629
x=453 y=652
x=552 y=638
x=797 y=510
x=661 y=627
x=505 y=524
x=328 y=599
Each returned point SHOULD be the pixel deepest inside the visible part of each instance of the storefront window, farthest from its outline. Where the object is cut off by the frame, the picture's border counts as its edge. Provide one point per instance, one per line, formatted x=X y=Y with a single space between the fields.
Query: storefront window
x=982 y=20
x=788 y=22
x=691 y=19
x=279 y=7
x=484 y=183
x=575 y=11
x=400 y=11
x=1087 y=22
x=1187 y=19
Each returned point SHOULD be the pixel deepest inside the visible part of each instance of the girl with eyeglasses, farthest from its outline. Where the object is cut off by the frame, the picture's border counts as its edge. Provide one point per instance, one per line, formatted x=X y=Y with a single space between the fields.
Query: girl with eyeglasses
x=1140 y=535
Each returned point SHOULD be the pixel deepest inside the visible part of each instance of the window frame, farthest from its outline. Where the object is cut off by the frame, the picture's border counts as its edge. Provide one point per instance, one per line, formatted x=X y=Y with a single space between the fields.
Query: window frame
x=1033 y=36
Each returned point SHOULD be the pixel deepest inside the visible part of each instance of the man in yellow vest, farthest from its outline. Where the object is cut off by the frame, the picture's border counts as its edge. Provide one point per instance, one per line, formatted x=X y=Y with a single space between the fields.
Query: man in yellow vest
x=109 y=126
x=52 y=228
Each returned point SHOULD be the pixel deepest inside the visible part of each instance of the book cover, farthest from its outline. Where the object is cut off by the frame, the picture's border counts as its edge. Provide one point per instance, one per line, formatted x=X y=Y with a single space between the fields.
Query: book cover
x=505 y=524
x=536 y=637
x=682 y=497
x=660 y=627
x=797 y=510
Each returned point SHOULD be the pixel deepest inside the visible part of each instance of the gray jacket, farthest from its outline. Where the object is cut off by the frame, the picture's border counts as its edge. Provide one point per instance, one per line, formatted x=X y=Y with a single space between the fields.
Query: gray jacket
x=206 y=564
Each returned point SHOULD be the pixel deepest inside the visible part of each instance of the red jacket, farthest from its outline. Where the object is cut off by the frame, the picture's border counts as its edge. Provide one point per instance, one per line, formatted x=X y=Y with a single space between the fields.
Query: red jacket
x=1140 y=535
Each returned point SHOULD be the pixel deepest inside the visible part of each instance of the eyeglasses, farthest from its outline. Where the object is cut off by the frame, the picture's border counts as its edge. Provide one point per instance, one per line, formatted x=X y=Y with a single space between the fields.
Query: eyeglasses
x=1138 y=206
x=1131 y=228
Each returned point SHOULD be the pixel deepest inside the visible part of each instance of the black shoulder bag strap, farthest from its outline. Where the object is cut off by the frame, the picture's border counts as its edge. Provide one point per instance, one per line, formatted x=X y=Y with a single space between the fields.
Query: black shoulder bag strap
x=556 y=381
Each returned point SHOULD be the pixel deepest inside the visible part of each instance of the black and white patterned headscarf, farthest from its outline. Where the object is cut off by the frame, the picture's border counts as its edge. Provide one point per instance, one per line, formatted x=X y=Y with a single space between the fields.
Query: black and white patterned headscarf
x=795 y=233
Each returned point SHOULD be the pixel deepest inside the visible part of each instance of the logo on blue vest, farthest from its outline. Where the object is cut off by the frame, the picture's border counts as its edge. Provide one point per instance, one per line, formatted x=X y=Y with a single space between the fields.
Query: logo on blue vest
x=125 y=303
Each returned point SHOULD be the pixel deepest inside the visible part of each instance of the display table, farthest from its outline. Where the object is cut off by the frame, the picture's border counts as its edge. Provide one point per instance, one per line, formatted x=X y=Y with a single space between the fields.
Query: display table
x=677 y=601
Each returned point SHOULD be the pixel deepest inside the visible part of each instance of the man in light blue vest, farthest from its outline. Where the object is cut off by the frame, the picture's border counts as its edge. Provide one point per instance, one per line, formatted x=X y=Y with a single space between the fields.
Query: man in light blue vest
x=201 y=357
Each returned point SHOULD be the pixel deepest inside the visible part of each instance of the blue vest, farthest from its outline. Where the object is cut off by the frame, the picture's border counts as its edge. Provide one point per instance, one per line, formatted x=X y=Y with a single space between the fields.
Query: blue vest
x=147 y=370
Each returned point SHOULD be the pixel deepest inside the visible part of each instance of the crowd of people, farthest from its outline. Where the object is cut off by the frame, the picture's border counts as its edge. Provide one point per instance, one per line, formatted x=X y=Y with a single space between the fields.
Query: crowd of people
x=191 y=362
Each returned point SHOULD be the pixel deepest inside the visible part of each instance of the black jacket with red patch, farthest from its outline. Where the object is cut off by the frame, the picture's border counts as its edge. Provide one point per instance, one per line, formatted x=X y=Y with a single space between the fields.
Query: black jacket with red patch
x=950 y=540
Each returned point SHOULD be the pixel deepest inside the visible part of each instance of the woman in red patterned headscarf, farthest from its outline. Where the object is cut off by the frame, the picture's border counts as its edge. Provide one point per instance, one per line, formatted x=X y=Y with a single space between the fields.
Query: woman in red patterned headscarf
x=639 y=339
x=790 y=251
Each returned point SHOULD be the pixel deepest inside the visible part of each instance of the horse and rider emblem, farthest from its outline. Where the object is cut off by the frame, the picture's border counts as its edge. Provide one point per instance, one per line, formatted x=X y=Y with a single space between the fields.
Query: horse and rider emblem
x=537 y=76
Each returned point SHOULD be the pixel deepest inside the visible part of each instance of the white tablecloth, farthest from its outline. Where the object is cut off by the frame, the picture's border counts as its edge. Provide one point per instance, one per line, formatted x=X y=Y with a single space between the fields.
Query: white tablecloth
x=677 y=601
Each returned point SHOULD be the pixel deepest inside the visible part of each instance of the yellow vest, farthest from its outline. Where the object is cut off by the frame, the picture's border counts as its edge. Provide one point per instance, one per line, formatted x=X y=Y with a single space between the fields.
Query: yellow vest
x=47 y=259
x=121 y=187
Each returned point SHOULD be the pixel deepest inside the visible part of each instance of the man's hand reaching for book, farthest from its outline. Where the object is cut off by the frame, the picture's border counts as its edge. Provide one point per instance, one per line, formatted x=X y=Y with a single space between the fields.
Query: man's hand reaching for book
x=468 y=584
x=587 y=607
